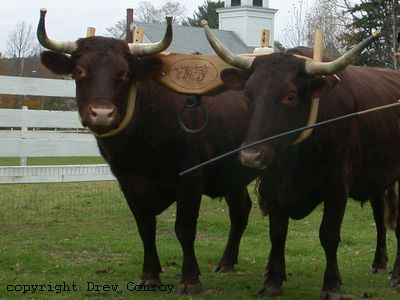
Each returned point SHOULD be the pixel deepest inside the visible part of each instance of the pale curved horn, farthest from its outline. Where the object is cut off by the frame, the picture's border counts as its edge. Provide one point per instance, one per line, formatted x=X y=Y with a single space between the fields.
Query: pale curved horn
x=227 y=55
x=60 y=46
x=142 y=49
x=328 y=68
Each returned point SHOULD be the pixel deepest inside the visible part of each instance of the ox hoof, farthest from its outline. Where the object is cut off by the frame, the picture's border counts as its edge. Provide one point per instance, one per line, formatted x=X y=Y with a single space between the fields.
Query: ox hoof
x=379 y=271
x=332 y=294
x=395 y=283
x=190 y=289
x=219 y=268
x=269 y=291
x=148 y=282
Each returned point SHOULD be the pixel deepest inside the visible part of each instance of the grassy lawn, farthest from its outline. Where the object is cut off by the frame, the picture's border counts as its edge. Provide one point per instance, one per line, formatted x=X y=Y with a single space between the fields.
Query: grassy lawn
x=75 y=233
x=34 y=161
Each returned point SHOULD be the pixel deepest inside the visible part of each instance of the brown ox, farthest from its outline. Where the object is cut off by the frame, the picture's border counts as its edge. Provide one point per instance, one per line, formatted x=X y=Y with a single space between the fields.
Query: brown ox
x=147 y=155
x=357 y=158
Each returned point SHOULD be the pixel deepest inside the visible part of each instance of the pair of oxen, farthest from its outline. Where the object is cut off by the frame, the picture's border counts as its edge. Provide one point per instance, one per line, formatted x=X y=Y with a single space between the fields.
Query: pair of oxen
x=134 y=121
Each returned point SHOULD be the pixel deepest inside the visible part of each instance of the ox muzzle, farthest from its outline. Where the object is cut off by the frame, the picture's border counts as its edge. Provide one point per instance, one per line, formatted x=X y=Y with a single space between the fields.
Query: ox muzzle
x=104 y=121
x=101 y=117
x=257 y=157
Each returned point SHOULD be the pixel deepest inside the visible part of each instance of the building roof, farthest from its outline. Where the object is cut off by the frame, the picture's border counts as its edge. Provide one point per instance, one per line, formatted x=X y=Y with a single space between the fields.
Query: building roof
x=188 y=39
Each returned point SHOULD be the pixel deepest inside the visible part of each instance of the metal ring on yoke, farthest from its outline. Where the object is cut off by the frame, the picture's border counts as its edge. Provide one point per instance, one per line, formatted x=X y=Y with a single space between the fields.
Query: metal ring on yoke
x=193 y=102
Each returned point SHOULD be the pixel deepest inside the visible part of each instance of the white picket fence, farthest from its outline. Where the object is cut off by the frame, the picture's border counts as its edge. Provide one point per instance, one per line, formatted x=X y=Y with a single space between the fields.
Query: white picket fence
x=37 y=133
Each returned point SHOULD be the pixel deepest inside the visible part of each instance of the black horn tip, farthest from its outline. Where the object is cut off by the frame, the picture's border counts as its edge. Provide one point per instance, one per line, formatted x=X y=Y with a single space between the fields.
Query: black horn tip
x=169 y=19
x=377 y=33
x=43 y=12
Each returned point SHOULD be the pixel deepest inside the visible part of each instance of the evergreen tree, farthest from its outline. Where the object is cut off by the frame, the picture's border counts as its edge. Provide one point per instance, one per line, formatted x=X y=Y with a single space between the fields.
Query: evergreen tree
x=207 y=11
x=368 y=16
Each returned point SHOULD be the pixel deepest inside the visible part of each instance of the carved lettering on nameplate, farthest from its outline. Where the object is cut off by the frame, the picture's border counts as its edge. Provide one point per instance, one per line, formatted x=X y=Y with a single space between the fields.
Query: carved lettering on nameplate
x=193 y=73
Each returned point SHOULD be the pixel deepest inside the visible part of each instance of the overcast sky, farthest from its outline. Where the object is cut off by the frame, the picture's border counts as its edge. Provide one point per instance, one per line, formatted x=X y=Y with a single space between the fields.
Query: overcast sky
x=68 y=19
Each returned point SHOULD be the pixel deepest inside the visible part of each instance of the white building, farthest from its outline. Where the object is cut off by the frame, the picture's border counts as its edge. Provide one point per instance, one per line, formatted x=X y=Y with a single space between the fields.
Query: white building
x=247 y=18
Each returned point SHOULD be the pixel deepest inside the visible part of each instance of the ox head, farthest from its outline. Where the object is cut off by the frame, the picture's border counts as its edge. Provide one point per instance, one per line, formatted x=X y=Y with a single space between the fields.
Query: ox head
x=281 y=87
x=105 y=71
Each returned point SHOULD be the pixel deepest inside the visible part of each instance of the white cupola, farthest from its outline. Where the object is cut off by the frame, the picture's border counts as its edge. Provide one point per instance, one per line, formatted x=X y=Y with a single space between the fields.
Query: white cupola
x=247 y=18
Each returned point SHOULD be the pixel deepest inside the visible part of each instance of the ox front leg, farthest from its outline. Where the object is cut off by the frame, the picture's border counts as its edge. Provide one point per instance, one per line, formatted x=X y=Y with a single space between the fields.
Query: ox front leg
x=151 y=264
x=239 y=204
x=185 y=229
x=275 y=271
x=379 y=264
x=329 y=235
x=144 y=204
x=395 y=279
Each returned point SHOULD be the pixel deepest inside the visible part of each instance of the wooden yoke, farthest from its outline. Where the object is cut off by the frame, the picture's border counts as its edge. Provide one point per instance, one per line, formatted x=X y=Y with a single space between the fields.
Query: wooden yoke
x=91 y=31
x=264 y=43
x=265 y=34
x=317 y=56
x=138 y=35
x=318 y=45
x=199 y=74
x=189 y=73
x=192 y=74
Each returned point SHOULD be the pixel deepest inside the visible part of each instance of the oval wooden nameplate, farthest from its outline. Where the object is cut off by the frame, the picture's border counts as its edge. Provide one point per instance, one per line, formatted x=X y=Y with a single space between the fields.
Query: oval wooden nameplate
x=195 y=74
x=192 y=74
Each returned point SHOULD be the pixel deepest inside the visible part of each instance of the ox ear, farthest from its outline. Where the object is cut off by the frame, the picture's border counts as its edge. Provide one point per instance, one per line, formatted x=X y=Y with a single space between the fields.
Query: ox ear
x=323 y=84
x=57 y=62
x=234 y=78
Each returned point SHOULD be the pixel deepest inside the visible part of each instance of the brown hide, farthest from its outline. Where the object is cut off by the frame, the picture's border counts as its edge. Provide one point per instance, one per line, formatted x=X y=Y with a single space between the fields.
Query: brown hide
x=355 y=141
x=148 y=154
x=356 y=158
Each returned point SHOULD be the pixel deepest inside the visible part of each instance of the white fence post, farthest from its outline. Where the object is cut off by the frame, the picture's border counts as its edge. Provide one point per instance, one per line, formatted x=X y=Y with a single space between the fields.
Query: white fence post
x=22 y=159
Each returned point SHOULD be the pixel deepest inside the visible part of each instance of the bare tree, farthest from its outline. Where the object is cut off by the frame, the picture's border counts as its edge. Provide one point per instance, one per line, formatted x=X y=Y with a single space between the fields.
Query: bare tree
x=148 y=13
x=21 y=43
x=330 y=16
x=175 y=9
x=295 y=30
x=118 y=30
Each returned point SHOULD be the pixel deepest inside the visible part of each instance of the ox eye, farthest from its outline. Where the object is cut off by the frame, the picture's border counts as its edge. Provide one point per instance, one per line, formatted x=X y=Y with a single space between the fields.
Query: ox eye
x=125 y=76
x=290 y=100
x=78 y=73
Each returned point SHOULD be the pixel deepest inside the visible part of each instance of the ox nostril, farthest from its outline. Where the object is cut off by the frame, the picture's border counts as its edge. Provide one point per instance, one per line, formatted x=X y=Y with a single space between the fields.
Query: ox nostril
x=102 y=113
x=101 y=117
x=252 y=158
x=111 y=114
x=246 y=155
x=93 y=113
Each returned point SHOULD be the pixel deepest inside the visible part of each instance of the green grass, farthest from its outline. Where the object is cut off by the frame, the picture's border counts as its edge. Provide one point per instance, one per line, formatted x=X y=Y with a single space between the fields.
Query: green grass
x=83 y=232
x=61 y=160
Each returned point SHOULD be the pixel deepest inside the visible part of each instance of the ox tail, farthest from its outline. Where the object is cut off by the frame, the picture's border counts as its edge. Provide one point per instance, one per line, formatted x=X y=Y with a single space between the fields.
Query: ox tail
x=262 y=201
x=391 y=203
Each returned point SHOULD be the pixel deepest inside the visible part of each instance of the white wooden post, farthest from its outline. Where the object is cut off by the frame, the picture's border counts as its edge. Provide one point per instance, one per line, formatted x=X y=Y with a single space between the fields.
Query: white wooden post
x=24 y=128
